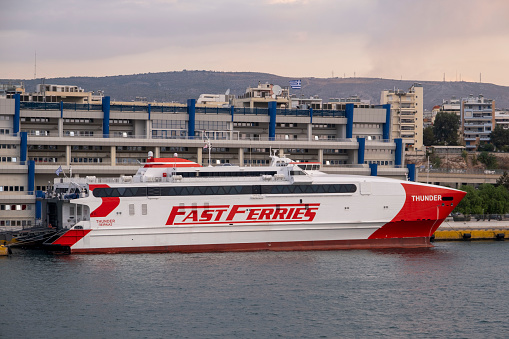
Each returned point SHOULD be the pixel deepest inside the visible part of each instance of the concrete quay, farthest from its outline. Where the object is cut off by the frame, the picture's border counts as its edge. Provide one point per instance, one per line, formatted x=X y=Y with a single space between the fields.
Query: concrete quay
x=472 y=230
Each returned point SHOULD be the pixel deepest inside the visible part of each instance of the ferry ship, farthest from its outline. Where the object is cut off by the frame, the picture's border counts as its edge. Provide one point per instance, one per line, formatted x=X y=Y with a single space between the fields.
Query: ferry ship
x=176 y=205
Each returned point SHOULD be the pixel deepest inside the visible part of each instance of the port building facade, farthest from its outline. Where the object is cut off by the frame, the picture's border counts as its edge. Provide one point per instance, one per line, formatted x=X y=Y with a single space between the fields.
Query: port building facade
x=111 y=139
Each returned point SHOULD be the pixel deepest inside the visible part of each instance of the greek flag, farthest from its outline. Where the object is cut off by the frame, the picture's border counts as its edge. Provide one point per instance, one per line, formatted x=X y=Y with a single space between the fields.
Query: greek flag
x=295 y=84
x=59 y=170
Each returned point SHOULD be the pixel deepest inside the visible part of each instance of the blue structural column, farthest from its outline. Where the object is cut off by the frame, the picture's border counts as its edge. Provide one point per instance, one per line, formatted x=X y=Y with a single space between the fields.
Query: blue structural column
x=362 y=148
x=16 y=122
x=310 y=115
x=24 y=148
x=31 y=177
x=349 y=120
x=387 y=125
x=398 y=152
x=61 y=109
x=149 y=110
x=272 y=122
x=38 y=204
x=374 y=169
x=232 y=111
x=411 y=172
x=106 y=117
x=191 y=112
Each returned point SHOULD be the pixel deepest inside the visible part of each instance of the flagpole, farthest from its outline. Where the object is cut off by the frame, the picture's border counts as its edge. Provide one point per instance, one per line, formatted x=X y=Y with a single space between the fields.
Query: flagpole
x=300 y=81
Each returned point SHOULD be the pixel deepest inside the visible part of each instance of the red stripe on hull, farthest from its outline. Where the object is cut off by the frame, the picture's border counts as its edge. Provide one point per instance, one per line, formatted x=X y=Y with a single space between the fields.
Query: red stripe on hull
x=107 y=206
x=273 y=246
x=71 y=237
x=407 y=229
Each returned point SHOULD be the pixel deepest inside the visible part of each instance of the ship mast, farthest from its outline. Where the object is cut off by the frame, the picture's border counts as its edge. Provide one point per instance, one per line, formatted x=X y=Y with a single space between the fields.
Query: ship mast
x=208 y=146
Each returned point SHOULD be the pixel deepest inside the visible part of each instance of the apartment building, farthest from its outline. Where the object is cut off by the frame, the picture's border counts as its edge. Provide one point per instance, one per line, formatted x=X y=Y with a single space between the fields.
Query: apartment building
x=406 y=115
x=477 y=120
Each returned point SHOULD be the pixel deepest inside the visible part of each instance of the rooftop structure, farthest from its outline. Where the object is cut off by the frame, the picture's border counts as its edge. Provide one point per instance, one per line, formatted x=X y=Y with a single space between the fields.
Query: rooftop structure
x=215 y=100
x=260 y=96
x=313 y=102
x=58 y=93
x=340 y=103
x=451 y=106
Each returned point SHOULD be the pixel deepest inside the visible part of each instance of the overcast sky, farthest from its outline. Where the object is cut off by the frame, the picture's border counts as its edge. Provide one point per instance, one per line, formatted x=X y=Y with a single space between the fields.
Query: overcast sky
x=397 y=39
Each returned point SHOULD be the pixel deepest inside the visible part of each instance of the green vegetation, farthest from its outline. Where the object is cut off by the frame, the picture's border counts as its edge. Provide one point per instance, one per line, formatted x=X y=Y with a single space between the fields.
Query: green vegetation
x=500 y=138
x=445 y=129
x=488 y=159
x=435 y=160
x=486 y=147
x=487 y=199
x=428 y=137
x=503 y=180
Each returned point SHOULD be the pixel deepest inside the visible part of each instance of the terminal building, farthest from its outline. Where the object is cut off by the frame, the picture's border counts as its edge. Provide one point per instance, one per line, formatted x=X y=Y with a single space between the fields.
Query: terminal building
x=111 y=139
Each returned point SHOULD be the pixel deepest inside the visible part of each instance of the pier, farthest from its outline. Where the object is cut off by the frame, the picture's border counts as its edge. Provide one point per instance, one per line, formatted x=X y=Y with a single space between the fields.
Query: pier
x=472 y=230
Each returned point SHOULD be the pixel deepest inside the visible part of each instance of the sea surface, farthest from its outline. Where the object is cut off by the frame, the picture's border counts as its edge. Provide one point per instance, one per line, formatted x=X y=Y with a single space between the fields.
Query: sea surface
x=454 y=290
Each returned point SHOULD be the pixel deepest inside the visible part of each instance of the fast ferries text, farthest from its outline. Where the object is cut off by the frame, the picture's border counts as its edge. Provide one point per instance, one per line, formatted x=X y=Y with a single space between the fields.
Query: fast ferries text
x=221 y=214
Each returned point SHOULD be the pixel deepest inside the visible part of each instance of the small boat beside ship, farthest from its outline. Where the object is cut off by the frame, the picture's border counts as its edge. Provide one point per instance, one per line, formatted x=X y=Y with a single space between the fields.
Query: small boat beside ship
x=176 y=205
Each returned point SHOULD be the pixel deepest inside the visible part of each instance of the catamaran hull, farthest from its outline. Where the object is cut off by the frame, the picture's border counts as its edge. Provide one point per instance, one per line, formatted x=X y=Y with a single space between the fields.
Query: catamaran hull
x=247 y=238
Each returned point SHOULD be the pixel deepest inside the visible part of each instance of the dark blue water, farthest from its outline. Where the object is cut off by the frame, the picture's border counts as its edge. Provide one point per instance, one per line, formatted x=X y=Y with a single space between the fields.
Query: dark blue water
x=455 y=290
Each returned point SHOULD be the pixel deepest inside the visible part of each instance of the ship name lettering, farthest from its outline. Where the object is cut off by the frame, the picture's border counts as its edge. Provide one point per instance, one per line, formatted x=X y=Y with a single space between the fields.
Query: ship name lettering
x=105 y=222
x=428 y=197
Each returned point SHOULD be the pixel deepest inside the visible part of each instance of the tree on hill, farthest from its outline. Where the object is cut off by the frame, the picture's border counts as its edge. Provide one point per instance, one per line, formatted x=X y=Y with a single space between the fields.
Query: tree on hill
x=486 y=147
x=500 y=138
x=503 y=180
x=428 y=138
x=488 y=159
x=445 y=129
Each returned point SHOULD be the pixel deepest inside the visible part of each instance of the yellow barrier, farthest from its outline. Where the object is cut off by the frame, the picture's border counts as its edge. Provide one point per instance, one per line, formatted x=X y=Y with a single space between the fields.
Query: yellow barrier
x=4 y=250
x=472 y=234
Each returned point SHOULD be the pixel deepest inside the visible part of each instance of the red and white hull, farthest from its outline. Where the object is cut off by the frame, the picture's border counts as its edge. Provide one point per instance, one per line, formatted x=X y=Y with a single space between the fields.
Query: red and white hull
x=381 y=213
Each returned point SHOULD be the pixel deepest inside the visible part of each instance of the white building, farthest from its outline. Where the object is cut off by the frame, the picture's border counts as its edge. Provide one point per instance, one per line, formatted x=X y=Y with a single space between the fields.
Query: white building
x=406 y=115
x=477 y=120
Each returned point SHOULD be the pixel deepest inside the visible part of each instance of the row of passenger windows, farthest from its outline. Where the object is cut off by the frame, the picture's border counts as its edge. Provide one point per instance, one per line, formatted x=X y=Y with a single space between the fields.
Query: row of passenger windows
x=222 y=190
x=226 y=174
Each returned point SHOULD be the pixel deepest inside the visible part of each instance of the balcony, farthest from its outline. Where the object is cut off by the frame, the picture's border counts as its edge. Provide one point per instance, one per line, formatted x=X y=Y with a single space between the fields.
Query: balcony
x=481 y=118
x=467 y=132
x=479 y=124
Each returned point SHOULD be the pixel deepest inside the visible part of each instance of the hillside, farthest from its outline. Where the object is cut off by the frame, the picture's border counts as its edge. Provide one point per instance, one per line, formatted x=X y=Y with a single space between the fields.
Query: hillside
x=183 y=85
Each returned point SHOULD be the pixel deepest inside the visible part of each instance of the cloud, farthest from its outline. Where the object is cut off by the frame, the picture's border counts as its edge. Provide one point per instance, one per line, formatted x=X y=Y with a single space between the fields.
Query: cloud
x=390 y=38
